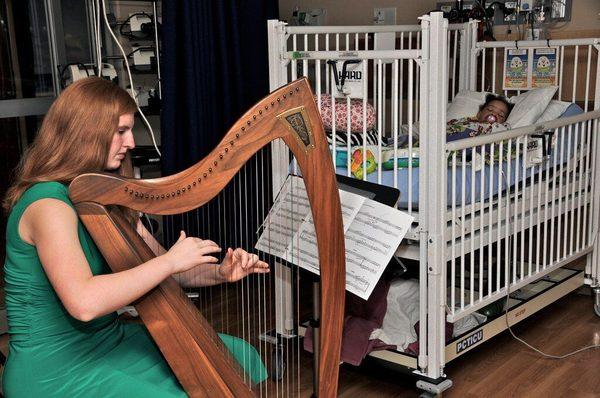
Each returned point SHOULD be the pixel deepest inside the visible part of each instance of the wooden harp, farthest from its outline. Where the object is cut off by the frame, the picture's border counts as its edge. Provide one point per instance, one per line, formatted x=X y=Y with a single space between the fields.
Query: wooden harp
x=186 y=339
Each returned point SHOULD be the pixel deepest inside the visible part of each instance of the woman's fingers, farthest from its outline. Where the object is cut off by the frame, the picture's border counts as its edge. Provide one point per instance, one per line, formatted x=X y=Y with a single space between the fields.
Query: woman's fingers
x=209 y=249
x=181 y=236
x=208 y=260
x=205 y=242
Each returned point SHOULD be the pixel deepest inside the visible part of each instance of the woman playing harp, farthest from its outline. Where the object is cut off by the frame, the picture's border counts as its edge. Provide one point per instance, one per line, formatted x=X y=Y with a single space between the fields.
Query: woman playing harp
x=61 y=297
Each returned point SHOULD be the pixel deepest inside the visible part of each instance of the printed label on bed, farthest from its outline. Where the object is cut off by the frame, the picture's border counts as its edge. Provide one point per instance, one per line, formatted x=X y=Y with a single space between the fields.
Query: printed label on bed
x=469 y=341
x=353 y=80
x=535 y=154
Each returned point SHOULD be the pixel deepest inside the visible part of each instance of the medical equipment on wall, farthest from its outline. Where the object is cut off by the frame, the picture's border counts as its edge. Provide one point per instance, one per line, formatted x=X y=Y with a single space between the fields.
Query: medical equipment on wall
x=143 y=58
x=531 y=18
x=100 y=11
x=146 y=98
x=308 y=17
x=75 y=71
x=139 y=25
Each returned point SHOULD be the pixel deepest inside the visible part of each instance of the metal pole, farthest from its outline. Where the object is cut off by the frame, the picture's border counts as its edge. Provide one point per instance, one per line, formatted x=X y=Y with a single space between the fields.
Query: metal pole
x=157 y=49
x=50 y=21
x=423 y=126
x=436 y=207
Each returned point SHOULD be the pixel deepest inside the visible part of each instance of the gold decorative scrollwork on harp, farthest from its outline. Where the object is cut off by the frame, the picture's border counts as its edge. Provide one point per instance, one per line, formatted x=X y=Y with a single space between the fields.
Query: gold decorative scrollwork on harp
x=185 y=338
x=296 y=121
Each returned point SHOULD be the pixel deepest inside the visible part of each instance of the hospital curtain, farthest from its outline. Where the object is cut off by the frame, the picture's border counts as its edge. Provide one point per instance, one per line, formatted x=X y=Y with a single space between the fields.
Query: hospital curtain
x=214 y=66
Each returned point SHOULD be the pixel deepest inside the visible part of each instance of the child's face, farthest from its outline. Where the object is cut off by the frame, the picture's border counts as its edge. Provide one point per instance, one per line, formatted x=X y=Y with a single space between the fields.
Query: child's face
x=497 y=110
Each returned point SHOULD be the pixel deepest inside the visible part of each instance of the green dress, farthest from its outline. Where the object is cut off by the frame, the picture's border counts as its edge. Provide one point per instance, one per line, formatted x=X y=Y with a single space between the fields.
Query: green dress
x=52 y=354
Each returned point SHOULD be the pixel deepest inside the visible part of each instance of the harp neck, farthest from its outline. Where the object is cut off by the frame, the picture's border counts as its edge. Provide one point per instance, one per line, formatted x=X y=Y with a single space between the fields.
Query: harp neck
x=191 y=188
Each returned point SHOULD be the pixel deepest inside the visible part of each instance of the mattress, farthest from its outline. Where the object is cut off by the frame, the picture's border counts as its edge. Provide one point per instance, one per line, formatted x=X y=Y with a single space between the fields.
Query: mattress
x=474 y=188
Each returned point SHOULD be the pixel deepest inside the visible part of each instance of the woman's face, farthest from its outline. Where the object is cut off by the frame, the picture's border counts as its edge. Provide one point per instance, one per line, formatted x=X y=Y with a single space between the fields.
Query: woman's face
x=122 y=141
x=495 y=112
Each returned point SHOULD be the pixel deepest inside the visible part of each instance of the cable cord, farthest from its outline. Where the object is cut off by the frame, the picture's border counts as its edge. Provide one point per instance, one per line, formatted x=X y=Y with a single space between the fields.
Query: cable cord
x=550 y=356
x=130 y=78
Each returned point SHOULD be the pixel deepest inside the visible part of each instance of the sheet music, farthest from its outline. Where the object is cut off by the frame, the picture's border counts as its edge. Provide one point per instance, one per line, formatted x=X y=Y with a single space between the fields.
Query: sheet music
x=289 y=211
x=303 y=250
x=372 y=233
x=371 y=241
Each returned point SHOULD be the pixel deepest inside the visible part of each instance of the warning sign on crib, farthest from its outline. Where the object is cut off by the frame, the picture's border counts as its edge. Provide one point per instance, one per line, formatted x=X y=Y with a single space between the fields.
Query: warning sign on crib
x=525 y=69
x=347 y=78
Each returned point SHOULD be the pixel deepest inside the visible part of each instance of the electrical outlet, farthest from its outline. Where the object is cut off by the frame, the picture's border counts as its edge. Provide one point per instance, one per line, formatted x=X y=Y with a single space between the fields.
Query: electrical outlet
x=384 y=16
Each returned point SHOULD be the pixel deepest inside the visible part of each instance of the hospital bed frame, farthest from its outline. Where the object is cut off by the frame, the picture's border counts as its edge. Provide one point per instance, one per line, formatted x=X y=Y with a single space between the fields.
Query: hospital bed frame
x=476 y=251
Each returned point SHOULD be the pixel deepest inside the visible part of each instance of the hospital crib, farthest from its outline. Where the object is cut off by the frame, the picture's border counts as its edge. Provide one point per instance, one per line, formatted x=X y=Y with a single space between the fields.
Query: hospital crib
x=492 y=217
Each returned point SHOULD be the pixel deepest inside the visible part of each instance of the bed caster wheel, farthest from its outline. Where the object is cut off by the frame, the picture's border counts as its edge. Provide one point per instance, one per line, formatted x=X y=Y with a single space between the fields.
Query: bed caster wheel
x=278 y=364
x=430 y=390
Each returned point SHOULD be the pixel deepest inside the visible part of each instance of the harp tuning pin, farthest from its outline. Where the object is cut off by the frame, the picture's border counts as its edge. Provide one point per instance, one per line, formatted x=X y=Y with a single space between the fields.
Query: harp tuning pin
x=243 y=128
x=210 y=169
x=173 y=194
x=260 y=112
x=126 y=189
x=199 y=179
x=297 y=89
x=237 y=135
x=190 y=187
x=291 y=93
x=215 y=163
x=272 y=103
x=163 y=196
x=168 y=195
x=146 y=196
x=136 y=194
x=231 y=142
x=248 y=122
x=183 y=189
x=205 y=175
x=178 y=192
x=220 y=156
x=226 y=149
x=194 y=183
x=254 y=117
x=266 y=107
x=284 y=96
x=278 y=99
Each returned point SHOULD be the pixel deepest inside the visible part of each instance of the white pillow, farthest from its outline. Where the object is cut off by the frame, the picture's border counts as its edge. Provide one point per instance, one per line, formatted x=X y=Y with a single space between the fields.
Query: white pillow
x=553 y=111
x=529 y=106
x=465 y=104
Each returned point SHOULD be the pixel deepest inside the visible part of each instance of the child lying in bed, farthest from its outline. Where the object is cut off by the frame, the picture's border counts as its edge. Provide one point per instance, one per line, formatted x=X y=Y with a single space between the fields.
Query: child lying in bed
x=491 y=118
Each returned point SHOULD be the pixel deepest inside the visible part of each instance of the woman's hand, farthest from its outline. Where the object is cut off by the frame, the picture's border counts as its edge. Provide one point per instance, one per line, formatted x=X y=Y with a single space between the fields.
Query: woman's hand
x=238 y=264
x=188 y=253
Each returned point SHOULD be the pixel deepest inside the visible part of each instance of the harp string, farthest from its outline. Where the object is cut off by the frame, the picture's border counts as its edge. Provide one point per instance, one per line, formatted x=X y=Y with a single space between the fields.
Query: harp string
x=246 y=309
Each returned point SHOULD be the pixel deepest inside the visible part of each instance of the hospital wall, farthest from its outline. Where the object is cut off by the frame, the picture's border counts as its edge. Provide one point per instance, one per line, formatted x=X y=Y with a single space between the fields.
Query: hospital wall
x=585 y=18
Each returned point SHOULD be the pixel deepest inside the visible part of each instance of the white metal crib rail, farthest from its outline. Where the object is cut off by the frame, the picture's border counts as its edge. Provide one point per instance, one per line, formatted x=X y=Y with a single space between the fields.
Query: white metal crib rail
x=518 y=221
x=391 y=85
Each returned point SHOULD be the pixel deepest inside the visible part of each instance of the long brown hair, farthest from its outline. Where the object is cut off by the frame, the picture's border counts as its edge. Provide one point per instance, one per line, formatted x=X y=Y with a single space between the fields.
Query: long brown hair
x=75 y=136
